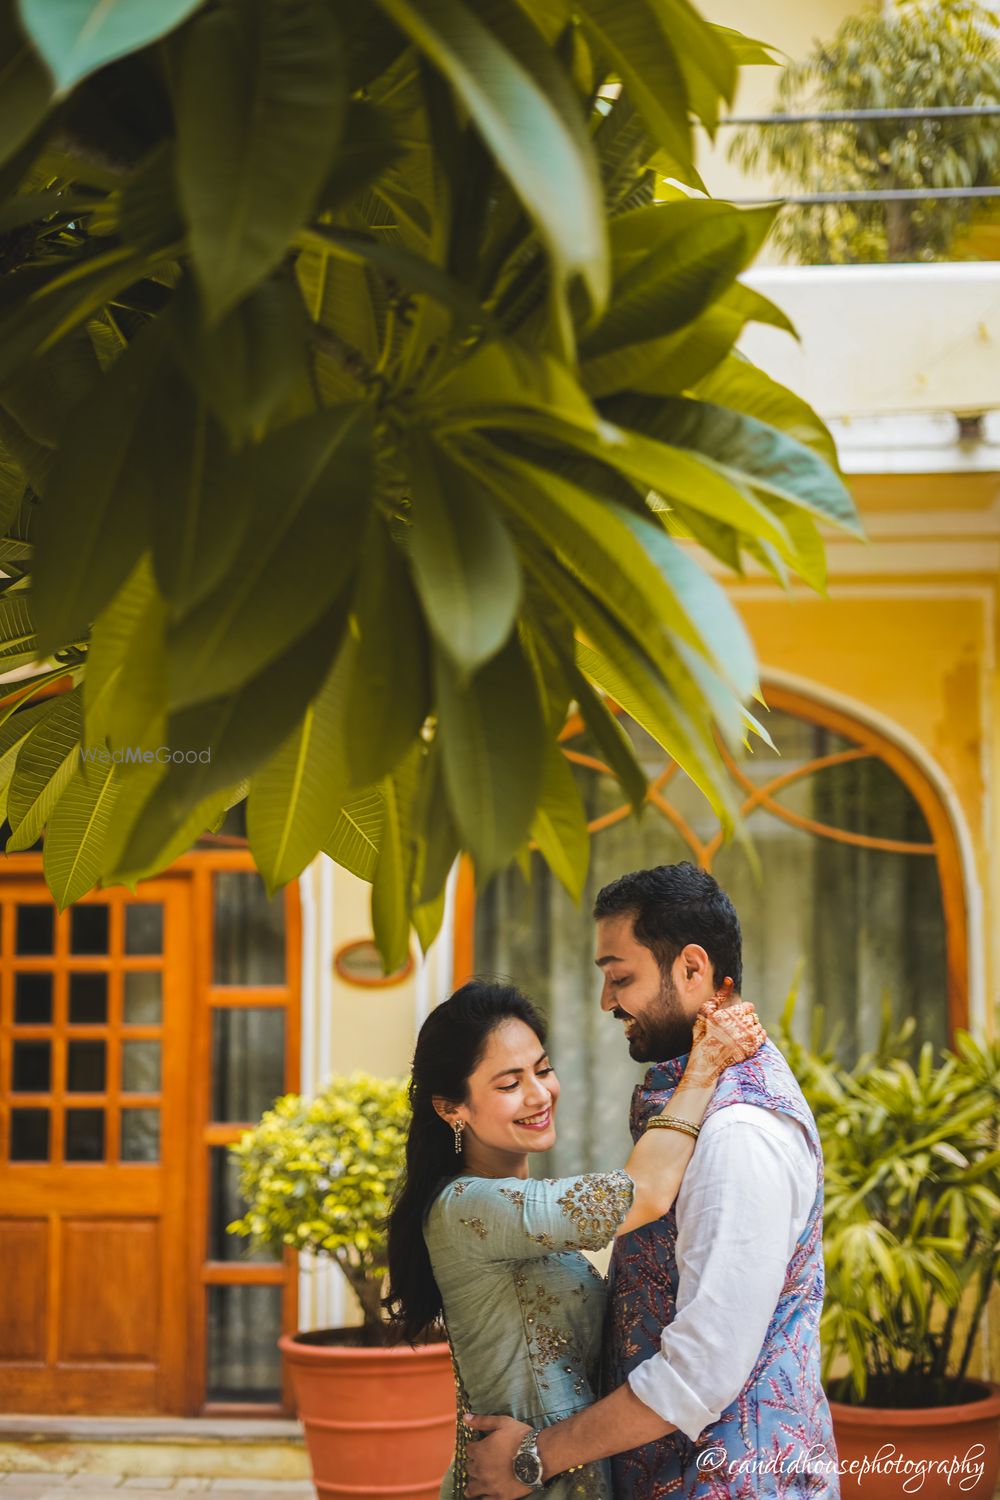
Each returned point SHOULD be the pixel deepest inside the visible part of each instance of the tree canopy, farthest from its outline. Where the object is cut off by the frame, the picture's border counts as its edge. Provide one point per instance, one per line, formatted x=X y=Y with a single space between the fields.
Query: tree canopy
x=904 y=54
x=361 y=381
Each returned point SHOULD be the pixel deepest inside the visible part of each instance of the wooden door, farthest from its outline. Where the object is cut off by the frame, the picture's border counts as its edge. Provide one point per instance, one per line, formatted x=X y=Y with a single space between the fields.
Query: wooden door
x=95 y=1017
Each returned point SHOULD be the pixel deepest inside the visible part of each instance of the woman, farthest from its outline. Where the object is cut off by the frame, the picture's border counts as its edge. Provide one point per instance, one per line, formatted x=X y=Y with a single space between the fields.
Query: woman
x=470 y=1235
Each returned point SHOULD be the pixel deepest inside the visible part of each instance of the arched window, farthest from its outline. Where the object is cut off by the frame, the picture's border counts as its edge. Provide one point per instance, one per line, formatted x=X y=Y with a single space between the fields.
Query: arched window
x=857 y=901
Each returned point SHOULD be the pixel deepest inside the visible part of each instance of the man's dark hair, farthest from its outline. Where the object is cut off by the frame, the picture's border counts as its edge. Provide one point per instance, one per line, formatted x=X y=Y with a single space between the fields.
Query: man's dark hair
x=673 y=905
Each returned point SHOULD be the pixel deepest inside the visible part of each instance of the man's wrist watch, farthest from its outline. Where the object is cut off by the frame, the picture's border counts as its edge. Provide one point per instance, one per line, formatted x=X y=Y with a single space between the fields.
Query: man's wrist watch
x=527 y=1464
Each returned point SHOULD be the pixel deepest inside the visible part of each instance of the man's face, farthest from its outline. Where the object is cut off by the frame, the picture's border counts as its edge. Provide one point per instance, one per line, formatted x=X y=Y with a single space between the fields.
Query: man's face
x=658 y=1020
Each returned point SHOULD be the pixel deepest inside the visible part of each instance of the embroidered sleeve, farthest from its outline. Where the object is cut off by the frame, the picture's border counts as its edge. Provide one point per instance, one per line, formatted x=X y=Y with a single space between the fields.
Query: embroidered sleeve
x=508 y=1218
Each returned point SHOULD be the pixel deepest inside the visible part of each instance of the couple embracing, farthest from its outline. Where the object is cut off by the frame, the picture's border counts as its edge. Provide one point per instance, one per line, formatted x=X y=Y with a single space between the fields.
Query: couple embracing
x=694 y=1372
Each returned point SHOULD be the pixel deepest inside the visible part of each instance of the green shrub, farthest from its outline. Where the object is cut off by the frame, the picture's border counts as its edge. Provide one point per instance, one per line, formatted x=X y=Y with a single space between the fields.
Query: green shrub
x=912 y=1211
x=319 y=1175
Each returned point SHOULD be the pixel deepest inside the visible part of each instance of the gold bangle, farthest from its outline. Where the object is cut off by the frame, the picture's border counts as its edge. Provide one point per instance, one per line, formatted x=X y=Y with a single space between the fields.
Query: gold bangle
x=673 y=1122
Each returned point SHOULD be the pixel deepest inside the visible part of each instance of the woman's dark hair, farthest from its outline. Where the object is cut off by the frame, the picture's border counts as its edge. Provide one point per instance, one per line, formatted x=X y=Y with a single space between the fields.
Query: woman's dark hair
x=449 y=1049
x=673 y=905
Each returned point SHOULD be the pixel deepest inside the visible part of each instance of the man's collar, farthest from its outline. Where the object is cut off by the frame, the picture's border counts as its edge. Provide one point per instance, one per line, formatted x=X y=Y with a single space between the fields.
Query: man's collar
x=665 y=1075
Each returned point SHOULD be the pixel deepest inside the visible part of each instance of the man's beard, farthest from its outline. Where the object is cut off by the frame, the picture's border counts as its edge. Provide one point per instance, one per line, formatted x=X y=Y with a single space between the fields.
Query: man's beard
x=664 y=1031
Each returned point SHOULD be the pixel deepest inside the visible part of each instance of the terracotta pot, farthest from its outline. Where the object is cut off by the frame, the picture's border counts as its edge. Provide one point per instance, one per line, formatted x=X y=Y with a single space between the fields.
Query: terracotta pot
x=378 y=1422
x=931 y=1436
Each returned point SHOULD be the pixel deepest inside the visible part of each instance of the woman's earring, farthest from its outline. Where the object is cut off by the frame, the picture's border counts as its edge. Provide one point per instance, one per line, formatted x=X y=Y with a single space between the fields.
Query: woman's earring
x=458 y=1127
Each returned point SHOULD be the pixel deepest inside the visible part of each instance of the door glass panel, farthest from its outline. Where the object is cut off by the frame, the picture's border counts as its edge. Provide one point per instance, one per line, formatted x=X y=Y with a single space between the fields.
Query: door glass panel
x=29 y=1135
x=141 y=1067
x=225 y=1205
x=88 y=929
x=86 y=1067
x=33 y=999
x=85 y=1135
x=244 y=1323
x=140 y=1135
x=249 y=937
x=248 y=1061
x=88 y=999
x=144 y=927
x=32 y=1067
x=143 y=997
x=35 y=928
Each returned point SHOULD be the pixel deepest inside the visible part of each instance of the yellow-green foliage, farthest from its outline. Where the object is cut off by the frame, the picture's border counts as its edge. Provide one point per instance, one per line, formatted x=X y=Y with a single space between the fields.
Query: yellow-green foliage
x=319 y=1174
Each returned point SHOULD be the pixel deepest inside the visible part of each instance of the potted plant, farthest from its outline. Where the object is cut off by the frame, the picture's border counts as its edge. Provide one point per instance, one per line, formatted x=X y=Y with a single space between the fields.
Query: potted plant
x=912 y=1256
x=318 y=1175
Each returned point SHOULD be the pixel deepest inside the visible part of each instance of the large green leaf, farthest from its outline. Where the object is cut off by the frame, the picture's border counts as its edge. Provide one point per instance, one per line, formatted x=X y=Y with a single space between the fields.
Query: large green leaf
x=493 y=740
x=76 y=834
x=672 y=260
x=560 y=824
x=464 y=564
x=391 y=880
x=76 y=37
x=749 y=452
x=85 y=552
x=609 y=736
x=123 y=687
x=542 y=147
x=307 y=488
x=24 y=86
x=356 y=837
x=50 y=386
x=653 y=589
x=296 y=797
x=15 y=726
x=389 y=694
x=46 y=761
x=227 y=738
x=740 y=386
x=261 y=99
x=641 y=50
x=199 y=513
x=246 y=366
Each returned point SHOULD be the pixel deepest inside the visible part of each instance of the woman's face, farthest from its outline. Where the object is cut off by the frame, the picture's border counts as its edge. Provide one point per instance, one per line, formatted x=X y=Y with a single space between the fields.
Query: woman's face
x=511 y=1100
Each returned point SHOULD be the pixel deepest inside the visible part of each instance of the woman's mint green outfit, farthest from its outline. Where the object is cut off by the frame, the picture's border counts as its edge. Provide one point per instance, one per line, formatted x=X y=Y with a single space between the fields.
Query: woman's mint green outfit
x=524 y=1308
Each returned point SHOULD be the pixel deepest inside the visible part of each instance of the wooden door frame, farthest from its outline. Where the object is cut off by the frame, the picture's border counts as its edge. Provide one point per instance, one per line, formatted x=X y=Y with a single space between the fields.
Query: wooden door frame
x=185 y=1389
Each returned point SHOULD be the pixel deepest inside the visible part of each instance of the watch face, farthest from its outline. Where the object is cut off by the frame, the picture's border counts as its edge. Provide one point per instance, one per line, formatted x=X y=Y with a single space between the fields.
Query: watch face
x=527 y=1468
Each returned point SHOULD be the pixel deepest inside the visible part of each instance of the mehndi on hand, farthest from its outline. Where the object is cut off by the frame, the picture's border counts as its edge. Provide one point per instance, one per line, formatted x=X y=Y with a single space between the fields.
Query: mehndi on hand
x=723 y=1035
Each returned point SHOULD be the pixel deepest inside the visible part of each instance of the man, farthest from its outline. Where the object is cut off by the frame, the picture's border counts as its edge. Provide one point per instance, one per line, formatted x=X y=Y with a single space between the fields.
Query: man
x=711 y=1352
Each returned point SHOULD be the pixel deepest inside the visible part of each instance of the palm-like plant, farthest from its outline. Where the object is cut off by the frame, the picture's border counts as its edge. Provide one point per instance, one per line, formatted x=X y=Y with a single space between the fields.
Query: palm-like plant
x=355 y=395
x=912 y=1211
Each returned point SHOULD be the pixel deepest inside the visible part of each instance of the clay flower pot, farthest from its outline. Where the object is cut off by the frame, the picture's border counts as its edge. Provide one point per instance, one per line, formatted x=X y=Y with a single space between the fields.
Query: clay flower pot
x=378 y=1421
x=932 y=1436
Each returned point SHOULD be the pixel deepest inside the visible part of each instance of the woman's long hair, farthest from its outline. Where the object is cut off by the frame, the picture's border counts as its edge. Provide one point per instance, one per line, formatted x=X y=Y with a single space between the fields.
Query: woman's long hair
x=449 y=1048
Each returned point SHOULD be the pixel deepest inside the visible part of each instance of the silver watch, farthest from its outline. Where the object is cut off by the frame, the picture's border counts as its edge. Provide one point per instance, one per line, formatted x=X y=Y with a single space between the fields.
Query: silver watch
x=527 y=1464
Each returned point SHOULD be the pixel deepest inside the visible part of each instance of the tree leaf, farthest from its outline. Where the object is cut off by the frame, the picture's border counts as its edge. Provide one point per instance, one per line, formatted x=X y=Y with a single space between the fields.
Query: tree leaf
x=389 y=694
x=76 y=37
x=390 y=885
x=493 y=740
x=611 y=739
x=307 y=488
x=85 y=552
x=356 y=836
x=464 y=564
x=560 y=824
x=218 y=743
x=76 y=834
x=25 y=88
x=749 y=452
x=247 y=365
x=297 y=794
x=634 y=37
x=261 y=100
x=124 y=683
x=45 y=762
x=542 y=148
x=672 y=261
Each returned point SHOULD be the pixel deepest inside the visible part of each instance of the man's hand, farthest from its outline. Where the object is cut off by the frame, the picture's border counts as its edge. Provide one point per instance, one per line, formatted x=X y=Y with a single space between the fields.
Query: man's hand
x=490 y=1460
